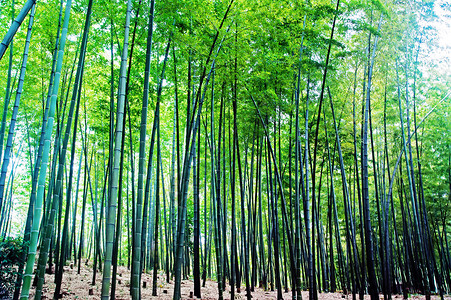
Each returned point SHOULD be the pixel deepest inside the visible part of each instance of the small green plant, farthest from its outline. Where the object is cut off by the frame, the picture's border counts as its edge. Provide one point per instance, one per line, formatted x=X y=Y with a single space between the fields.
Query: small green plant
x=11 y=254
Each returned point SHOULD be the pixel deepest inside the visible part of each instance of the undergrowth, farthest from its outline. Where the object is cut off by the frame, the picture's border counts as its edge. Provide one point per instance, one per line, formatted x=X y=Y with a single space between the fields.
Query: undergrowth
x=11 y=254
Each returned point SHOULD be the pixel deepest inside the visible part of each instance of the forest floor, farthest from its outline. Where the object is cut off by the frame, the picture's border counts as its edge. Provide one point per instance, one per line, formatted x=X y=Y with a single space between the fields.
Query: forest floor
x=78 y=286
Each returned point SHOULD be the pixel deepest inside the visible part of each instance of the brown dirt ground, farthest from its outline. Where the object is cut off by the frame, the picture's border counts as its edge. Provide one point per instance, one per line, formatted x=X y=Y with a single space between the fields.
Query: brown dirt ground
x=77 y=286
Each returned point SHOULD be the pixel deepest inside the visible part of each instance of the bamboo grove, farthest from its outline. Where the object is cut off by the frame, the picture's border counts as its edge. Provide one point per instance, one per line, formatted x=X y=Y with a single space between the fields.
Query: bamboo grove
x=276 y=144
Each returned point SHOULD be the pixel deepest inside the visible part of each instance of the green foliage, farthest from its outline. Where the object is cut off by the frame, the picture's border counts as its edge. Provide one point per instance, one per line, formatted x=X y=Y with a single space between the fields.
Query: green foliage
x=264 y=39
x=12 y=252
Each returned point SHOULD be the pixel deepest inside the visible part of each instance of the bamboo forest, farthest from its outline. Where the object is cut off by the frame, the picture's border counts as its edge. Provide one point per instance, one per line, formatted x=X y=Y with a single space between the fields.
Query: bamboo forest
x=225 y=149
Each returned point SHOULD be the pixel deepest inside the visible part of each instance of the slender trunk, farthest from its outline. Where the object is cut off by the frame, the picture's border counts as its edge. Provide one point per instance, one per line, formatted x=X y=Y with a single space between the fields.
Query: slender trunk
x=15 y=26
x=136 y=265
x=43 y=170
x=372 y=280
x=116 y=163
